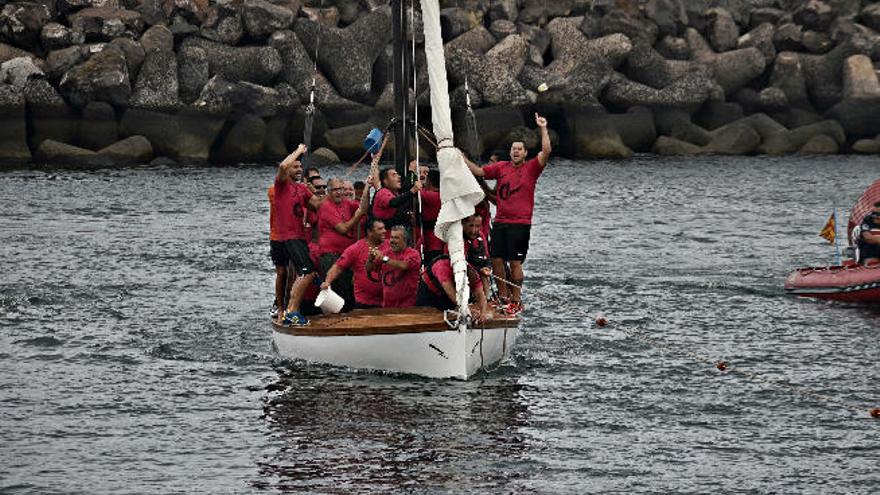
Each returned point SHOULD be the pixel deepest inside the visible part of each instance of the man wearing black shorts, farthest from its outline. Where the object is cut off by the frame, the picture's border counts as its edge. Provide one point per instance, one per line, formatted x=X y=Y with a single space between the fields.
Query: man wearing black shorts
x=290 y=203
x=515 y=188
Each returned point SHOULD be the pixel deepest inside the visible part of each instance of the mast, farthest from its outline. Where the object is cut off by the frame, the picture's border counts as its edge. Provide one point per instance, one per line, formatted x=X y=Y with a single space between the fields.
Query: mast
x=401 y=136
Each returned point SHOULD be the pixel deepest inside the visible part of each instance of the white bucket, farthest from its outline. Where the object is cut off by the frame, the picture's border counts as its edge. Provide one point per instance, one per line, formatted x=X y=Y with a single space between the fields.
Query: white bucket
x=329 y=301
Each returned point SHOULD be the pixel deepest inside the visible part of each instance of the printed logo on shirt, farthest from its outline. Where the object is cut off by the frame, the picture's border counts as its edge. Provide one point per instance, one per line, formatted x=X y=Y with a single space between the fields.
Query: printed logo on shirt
x=504 y=191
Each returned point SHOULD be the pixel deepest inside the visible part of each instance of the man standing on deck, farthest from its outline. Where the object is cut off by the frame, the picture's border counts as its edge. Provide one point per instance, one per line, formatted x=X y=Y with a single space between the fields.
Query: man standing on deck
x=367 y=285
x=398 y=267
x=389 y=205
x=291 y=201
x=338 y=218
x=515 y=187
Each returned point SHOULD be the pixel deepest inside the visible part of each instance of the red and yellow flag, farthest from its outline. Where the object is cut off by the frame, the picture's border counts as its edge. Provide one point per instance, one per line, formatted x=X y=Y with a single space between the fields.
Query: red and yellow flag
x=829 y=231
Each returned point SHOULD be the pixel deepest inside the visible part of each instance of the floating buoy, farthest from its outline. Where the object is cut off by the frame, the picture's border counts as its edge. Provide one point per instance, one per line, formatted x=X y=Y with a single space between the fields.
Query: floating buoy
x=721 y=365
x=875 y=413
x=601 y=321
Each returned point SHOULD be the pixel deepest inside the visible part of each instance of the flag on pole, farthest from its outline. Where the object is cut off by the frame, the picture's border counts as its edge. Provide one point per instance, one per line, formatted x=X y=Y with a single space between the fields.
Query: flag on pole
x=829 y=231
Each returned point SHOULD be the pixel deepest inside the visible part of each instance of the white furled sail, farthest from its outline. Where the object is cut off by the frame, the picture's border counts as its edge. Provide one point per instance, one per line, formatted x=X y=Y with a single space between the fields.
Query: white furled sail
x=459 y=190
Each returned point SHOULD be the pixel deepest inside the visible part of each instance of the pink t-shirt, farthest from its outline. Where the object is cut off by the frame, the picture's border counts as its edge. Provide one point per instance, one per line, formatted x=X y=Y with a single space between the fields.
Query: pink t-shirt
x=516 y=190
x=430 y=210
x=382 y=208
x=367 y=285
x=399 y=287
x=291 y=202
x=331 y=214
x=442 y=269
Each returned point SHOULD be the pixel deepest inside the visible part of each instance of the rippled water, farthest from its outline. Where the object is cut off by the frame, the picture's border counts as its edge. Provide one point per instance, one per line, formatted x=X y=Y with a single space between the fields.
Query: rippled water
x=135 y=353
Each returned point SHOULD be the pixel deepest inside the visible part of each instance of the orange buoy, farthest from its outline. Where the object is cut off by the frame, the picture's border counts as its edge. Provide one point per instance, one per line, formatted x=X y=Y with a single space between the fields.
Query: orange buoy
x=875 y=413
x=721 y=365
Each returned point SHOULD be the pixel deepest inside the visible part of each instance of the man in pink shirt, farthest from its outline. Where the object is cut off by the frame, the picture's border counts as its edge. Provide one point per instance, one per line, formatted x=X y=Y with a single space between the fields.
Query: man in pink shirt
x=432 y=245
x=515 y=187
x=391 y=206
x=367 y=285
x=398 y=269
x=437 y=284
x=338 y=218
x=290 y=203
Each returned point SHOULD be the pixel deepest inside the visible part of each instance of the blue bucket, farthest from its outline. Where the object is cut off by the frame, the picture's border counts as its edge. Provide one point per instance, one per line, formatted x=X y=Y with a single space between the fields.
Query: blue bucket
x=373 y=141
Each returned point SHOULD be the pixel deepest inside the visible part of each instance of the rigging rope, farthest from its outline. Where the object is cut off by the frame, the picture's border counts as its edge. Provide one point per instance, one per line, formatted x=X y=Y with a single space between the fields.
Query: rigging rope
x=412 y=14
x=471 y=123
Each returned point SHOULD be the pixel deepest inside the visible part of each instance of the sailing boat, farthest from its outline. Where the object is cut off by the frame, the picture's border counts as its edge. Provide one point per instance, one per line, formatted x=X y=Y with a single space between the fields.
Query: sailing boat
x=421 y=341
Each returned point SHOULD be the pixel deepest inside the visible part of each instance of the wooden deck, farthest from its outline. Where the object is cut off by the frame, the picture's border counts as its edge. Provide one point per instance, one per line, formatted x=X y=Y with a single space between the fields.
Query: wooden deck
x=384 y=321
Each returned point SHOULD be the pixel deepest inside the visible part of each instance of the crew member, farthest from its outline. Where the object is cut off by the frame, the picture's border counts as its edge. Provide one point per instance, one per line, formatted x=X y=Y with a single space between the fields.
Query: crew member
x=391 y=206
x=398 y=268
x=869 y=237
x=433 y=246
x=437 y=284
x=515 y=186
x=338 y=219
x=367 y=284
x=279 y=257
x=291 y=201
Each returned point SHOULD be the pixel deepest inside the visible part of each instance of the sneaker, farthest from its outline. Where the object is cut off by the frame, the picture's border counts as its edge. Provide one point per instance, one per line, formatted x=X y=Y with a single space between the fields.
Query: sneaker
x=295 y=319
x=274 y=312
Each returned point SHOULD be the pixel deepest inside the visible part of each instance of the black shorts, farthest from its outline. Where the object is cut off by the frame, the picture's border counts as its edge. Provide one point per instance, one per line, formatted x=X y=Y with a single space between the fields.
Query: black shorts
x=278 y=253
x=426 y=297
x=298 y=253
x=510 y=241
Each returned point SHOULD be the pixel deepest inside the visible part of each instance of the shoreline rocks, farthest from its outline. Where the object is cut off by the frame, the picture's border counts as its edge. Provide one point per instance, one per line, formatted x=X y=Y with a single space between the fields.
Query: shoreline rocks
x=108 y=83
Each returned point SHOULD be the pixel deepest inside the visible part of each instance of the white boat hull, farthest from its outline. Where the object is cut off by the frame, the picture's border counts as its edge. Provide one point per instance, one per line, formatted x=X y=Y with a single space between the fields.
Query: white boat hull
x=433 y=354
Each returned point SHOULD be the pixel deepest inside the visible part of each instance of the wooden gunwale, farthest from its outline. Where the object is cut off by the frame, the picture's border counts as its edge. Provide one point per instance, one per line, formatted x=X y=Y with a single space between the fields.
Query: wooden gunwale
x=384 y=321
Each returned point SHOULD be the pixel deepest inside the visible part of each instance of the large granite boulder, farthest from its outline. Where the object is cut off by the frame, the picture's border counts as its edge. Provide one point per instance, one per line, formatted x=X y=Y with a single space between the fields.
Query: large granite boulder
x=134 y=55
x=102 y=129
x=732 y=70
x=669 y=146
x=688 y=92
x=859 y=111
x=455 y=21
x=106 y=23
x=132 y=150
x=789 y=37
x=761 y=37
x=347 y=54
x=184 y=136
x=9 y=52
x=18 y=71
x=223 y=24
x=103 y=77
x=670 y=16
x=787 y=75
x=347 y=141
x=722 y=30
x=478 y=39
x=156 y=87
x=790 y=141
x=814 y=14
x=645 y=65
x=243 y=142
x=507 y=10
x=55 y=36
x=733 y=139
x=58 y=62
x=822 y=72
x=194 y=11
x=491 y=74
x=157 y=38
x=870 y=16
x=48 y=115
x=68 y=155
x=13 y=126
x=223 y=98
x=262 y=18
x=22 y=22
x=193 y=72
x=256 y=64
x=867 y=146
x=820 y=145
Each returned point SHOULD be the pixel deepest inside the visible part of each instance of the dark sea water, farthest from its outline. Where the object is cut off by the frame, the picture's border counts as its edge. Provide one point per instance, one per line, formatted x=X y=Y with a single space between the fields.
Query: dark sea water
x=135 y=351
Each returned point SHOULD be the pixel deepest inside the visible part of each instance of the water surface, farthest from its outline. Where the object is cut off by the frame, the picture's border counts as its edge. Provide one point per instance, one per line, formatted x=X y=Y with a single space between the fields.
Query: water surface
x=135 y=353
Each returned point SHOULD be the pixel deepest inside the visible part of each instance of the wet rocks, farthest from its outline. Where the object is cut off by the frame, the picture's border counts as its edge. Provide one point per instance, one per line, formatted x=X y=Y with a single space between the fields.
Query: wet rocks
x=256 y=64
x=13 y=126
x=103 y=77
